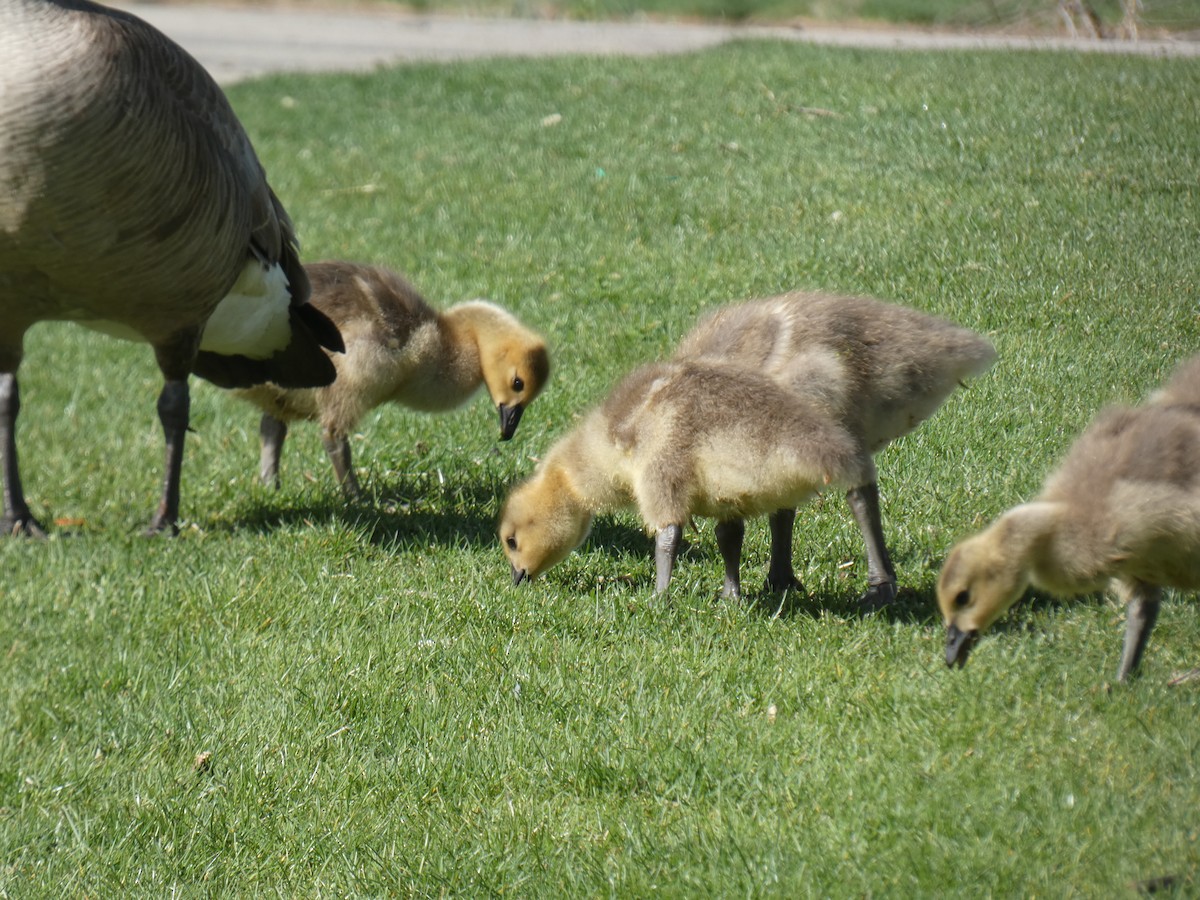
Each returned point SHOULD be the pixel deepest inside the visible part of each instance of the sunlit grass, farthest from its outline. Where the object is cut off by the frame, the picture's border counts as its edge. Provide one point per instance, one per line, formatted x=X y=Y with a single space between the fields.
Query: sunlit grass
x=386 y=715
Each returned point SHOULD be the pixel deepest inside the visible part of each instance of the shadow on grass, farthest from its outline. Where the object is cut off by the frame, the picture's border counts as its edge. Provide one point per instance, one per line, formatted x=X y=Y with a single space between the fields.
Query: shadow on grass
x=454 y=513
x=423 y=511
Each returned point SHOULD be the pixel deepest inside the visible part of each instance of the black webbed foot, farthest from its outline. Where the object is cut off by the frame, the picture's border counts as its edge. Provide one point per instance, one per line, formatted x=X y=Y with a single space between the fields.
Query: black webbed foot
x=22 y=526
x=778 y=584
x=878 y=596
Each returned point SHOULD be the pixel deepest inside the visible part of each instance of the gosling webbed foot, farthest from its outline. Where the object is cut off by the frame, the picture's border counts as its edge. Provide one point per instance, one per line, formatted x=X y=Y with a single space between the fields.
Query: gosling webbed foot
x=881 y=574
x=781 y=576
x=779 y=583
x=161 y=526
x=878 y=596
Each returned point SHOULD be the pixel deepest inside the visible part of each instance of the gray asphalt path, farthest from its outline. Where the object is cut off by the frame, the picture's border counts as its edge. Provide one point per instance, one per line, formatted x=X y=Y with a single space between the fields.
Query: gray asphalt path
x=243 y=41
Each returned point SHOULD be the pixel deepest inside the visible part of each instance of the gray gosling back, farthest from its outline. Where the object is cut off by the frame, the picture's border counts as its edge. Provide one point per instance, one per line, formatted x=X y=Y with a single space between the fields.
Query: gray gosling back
x=876 y=369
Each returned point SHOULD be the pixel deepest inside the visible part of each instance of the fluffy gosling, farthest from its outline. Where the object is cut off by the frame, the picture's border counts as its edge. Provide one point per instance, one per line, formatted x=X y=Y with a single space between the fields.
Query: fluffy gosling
x=1122 y=511
x=400 y=350
x=678 y=439
x=876 y=369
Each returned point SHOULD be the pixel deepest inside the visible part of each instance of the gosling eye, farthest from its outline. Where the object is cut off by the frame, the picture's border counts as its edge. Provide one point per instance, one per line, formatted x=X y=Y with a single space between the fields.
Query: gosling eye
x=962 y=599
x=517 y=384
x=510 y=542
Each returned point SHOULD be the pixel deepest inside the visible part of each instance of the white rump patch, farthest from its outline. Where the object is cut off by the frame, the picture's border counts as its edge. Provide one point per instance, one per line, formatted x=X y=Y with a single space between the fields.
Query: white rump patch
x=253 y=318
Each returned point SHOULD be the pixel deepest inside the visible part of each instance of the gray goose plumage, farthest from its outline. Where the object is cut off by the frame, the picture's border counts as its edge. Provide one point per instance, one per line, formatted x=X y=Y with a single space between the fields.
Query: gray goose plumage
x=131 y=201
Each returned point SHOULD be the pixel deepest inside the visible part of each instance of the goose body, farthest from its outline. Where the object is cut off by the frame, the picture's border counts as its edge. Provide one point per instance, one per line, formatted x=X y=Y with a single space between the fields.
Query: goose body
x=875 y=369
x=131 y=201
x=401 y=350
x=675 y=440
x=1122 y=511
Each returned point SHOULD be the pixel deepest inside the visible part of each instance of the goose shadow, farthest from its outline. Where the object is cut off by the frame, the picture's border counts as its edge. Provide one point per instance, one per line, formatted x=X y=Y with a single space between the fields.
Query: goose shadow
x=418 y=509
x=421 y=509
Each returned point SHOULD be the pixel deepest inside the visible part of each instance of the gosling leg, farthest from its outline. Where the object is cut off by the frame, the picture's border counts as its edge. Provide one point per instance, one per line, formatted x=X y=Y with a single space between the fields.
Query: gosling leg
x=881 y=577
x=666 y=548
x=338 y=448
x=174 y=406
x=780 y=575
x=271 y=434
x=1141 y=614
x=17 y=518
x=730 y=536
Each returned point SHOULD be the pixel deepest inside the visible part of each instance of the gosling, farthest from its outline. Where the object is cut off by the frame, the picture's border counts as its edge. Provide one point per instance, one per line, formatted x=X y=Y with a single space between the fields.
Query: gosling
x=1122 y=511
x=876 y=369
x=679 y=439
x=400 y=350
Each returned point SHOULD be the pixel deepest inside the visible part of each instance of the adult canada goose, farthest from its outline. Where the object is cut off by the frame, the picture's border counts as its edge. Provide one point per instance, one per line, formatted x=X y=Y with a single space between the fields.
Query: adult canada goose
x=132 y=202
x=678 y=439
x=401 y=350
x=876 y=369
x=1122 y=511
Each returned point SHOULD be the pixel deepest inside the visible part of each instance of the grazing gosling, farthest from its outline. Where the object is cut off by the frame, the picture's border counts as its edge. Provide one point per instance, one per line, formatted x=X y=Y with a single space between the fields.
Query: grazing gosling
x=876 y=369
x=1122 y=511
x=400 y=350
x=678 y=439
x=133 y=203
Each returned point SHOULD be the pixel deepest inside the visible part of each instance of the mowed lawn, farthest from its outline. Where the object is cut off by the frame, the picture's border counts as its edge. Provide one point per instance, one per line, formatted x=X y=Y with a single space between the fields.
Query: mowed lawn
x=300 y=698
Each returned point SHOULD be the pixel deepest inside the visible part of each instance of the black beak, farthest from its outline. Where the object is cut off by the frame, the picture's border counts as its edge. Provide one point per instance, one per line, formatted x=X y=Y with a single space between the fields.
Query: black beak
x=510 y=418
x=519 y=575
x=958 y=645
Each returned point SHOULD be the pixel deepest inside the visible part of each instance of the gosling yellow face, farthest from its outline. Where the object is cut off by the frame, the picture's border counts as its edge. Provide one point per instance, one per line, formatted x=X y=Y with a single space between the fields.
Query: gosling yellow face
x=977 y=586
x=539 y=527
x=515 y=371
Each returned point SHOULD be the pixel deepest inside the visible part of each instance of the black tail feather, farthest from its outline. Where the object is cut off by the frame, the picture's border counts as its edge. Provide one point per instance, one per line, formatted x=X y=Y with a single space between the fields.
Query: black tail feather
x=321 y=327
x=301 y=364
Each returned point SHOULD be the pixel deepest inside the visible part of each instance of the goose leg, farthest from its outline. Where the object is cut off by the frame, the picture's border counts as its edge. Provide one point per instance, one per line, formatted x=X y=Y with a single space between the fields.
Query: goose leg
x=271 y=433
x=881 y=577
x=730 y=536
x=174 y=406
x=338 y=449
x=780 y=575
x=1141 y=614
x=17 y=518
x=666 y=548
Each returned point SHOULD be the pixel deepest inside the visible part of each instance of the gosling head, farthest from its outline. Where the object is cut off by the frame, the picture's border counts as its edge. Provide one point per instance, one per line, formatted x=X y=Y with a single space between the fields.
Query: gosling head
x=983 y=576
x=541 y=523
x=516 y=367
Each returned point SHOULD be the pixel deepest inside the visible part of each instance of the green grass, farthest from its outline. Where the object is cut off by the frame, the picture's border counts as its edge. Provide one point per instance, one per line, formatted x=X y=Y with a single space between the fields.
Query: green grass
x=387 y=716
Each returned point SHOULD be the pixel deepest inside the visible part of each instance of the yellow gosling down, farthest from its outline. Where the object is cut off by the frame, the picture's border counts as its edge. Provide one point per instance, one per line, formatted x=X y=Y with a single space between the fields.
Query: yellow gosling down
x=1121 y=512
x=401 y=350
x=133 y=203
x=677 y=440
x=875 y=369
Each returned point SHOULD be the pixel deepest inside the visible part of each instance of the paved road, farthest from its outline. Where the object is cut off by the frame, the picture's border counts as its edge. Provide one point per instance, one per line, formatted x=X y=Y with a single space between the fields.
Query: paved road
x=241 y=42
